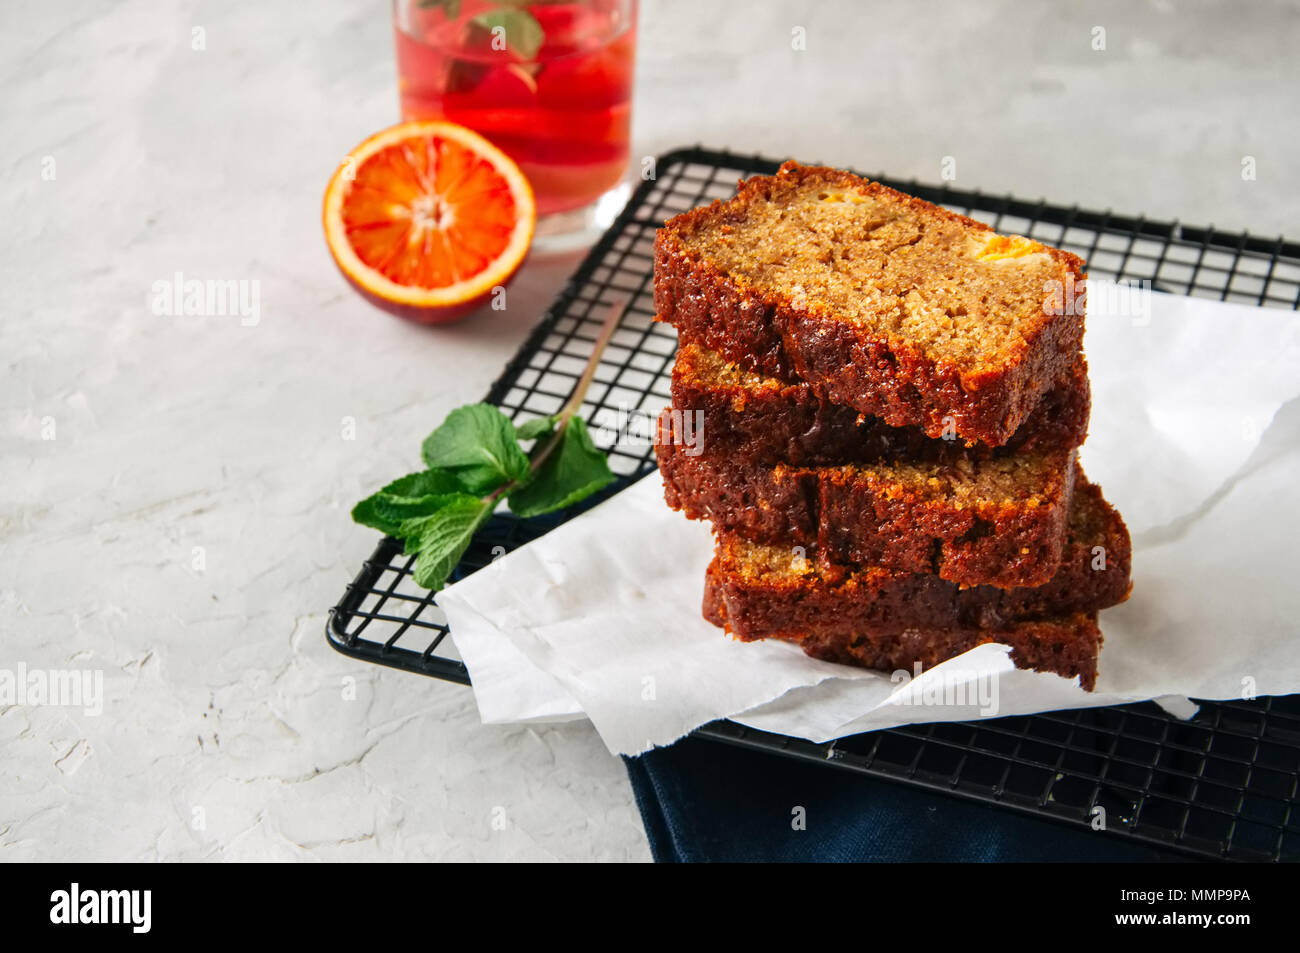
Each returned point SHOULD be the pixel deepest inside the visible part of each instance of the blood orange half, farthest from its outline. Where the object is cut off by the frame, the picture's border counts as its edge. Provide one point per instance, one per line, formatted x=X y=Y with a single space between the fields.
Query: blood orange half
x=425 y=219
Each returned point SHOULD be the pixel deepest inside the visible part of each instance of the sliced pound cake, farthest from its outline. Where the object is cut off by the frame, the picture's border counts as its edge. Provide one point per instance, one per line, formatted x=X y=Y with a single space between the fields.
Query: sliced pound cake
x=880 y=301
x=1066 y=645
x=774 y=590
x=748 y=416
x=997 y=522
x=874 y=618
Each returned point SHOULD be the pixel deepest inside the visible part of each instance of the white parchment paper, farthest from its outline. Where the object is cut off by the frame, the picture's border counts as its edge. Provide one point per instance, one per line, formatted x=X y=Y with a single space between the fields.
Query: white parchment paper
x=1192 y=439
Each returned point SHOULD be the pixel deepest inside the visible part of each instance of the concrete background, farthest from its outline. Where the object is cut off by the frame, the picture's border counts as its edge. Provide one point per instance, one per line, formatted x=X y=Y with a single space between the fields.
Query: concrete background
x=130 y=440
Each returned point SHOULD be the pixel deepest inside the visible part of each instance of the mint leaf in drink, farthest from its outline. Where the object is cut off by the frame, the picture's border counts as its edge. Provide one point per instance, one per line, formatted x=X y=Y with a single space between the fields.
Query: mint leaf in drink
x=386 y=509
x=440 y=538
x=572 y=471
x=450 y=7
x=477 y=443
x=533 y=429
x=523 y=34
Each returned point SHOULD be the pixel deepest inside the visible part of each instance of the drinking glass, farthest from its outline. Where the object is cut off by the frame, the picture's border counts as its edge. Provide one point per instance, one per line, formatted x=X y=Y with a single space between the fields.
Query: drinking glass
x=549 y=83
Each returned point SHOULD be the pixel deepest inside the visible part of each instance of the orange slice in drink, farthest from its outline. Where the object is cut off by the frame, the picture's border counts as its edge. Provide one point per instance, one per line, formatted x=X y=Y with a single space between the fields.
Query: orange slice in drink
x=427 y=219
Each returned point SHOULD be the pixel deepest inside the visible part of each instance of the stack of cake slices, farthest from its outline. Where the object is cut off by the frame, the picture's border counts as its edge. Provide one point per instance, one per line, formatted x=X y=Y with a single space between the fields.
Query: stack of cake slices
x=878 y=404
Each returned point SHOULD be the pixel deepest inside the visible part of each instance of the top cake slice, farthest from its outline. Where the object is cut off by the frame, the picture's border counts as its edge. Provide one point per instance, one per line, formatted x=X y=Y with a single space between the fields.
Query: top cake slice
x=878 y=300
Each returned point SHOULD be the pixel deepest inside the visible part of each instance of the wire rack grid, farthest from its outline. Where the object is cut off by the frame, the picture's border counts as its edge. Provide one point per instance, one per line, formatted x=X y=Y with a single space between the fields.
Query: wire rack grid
x=1222 y=785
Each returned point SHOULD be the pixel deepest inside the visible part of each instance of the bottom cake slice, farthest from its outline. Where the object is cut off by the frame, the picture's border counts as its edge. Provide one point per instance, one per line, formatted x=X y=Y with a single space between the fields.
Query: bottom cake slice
x=1067 y=646
x=869 y=616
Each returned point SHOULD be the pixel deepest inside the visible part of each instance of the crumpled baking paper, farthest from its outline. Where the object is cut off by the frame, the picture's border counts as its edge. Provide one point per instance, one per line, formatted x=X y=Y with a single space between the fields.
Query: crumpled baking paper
x=1195 y=438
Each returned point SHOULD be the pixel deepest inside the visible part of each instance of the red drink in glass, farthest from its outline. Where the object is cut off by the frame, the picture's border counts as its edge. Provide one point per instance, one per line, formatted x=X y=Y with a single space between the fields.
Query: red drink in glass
x=549 y=83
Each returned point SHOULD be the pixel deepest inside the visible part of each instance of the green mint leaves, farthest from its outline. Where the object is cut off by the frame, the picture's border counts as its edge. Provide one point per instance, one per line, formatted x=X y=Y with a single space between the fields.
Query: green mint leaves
x=474 y=461
x=478 y=444
x=572 y=471
x=538 y=427
x=441 y=538
x=450 y=7
x=522 y=33
x=403 y=499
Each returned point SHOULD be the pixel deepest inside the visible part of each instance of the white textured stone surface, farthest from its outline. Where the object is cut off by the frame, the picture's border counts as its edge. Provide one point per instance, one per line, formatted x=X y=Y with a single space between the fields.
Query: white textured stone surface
x=176 y=433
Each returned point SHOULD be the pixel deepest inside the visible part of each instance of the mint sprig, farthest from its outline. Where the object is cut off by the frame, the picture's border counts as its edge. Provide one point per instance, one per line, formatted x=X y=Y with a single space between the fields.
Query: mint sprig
x=572 y=471
x=474 y=461
x=404 y=498
x=478 y=444
x=523 y=33
x=439 y=539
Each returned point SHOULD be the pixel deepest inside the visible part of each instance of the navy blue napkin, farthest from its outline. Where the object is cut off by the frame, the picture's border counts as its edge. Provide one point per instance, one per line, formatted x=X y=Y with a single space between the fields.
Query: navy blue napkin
x=706 y=801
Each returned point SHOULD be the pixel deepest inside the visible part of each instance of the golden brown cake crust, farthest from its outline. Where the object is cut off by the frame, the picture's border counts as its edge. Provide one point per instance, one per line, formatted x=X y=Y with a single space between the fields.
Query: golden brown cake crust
x=749 y=417
x=1067 y=645
x=846 y=362
x=771 y=589
x=1013 y=535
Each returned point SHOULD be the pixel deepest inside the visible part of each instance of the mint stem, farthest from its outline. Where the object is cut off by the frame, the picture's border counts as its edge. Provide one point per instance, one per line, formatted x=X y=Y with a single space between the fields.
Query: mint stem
x=616 y=311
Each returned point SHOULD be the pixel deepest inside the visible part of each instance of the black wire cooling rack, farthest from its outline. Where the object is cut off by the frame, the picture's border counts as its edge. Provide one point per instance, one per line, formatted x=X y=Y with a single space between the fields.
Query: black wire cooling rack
x=1222 y=785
